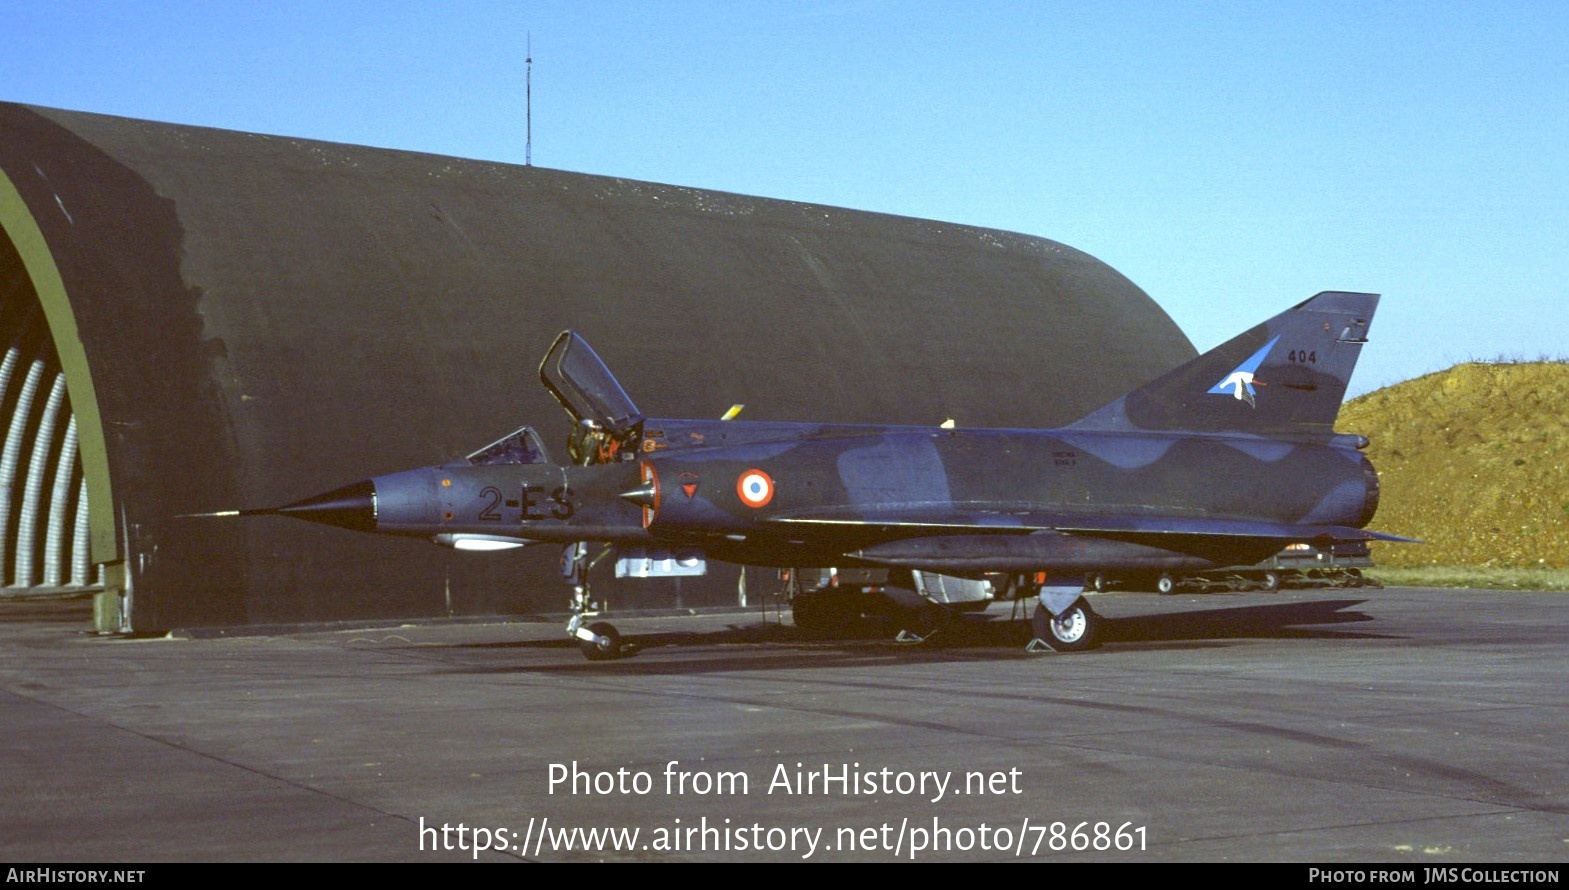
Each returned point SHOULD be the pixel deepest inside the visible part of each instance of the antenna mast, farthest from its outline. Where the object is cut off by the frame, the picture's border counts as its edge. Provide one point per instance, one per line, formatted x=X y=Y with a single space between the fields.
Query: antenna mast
x=528 y=93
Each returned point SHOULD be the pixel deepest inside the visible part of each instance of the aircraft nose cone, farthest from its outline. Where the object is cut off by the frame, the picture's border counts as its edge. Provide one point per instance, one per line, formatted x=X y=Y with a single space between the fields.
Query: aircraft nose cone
x=352 y=507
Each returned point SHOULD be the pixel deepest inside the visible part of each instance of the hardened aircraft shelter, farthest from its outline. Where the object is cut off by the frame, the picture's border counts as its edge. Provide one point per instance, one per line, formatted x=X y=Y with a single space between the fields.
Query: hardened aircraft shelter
x=197 y=320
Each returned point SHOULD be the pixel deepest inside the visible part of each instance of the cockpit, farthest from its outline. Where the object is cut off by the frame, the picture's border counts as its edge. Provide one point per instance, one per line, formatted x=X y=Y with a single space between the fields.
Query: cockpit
x=521 y=446
x=606 y=425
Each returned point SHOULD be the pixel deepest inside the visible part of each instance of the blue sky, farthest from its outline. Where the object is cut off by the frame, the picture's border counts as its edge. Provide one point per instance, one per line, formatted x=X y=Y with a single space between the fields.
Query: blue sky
x=1230 y=158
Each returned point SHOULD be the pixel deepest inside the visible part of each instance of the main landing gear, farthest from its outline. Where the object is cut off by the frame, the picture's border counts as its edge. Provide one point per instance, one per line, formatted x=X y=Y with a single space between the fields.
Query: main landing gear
x=1063 y=620
x=599 y=641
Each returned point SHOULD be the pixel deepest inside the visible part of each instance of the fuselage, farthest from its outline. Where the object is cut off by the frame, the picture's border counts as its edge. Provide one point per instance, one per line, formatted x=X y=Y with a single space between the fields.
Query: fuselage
x=1008 y=478
x=775 y=494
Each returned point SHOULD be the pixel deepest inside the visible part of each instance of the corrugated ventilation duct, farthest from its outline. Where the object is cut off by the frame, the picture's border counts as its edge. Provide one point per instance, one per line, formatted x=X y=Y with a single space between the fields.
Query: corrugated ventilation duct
x=43 y=497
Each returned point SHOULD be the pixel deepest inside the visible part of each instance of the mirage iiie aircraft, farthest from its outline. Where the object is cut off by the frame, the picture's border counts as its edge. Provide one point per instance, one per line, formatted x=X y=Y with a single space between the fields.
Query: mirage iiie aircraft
x=1222 y=461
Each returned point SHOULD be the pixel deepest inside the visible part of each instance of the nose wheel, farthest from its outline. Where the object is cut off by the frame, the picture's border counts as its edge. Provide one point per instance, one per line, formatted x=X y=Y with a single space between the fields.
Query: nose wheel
x=599 y=641
x=606 y=642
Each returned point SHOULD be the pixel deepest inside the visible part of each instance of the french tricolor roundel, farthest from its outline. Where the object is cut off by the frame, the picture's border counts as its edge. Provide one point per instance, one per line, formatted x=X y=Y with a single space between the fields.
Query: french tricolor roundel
x=755 y=488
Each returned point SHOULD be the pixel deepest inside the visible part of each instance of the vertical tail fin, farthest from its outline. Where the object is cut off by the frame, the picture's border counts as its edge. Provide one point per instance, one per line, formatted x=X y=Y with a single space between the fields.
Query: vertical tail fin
x=1283 y=379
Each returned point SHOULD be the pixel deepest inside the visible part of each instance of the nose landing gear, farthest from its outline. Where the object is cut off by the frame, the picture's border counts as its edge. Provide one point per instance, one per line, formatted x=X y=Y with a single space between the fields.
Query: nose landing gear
x=599 y=641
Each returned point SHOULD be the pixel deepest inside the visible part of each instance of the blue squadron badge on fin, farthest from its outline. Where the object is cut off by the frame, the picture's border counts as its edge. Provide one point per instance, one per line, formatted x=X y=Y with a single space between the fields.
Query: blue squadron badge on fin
x=1239 y=383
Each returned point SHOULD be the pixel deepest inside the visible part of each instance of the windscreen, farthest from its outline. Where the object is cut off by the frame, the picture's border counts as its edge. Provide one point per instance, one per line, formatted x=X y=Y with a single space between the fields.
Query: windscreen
x=521 y=446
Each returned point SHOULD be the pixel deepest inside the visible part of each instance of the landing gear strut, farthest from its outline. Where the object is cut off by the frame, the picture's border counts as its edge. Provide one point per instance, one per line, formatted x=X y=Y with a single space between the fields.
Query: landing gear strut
x=599 y=641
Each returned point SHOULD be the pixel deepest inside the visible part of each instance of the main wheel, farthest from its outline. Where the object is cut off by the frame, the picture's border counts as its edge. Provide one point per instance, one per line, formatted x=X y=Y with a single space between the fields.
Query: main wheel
x=609 y=645
x=820 y=612
x=1076 y=629
x=1271 y=580
x=918 y=624
x=1165 y=583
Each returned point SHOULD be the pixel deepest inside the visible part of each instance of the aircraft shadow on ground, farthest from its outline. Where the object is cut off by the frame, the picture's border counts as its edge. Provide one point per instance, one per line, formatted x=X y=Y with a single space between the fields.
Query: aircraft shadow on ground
x=763 y=645
x=1297 y=620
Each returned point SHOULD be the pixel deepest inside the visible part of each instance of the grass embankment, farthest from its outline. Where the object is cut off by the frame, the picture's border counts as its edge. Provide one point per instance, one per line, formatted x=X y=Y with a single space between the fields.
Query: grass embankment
x=1472 y=462
x=1460 y=576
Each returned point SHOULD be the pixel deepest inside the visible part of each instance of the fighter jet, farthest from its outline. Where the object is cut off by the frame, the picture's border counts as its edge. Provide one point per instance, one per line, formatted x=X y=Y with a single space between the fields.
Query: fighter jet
x=1222 y=461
